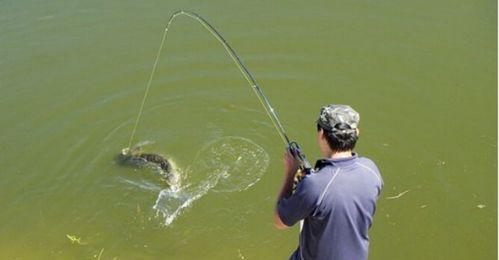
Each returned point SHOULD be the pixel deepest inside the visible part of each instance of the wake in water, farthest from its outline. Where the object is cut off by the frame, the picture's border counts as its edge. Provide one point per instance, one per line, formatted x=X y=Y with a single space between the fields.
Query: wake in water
x=227 y=164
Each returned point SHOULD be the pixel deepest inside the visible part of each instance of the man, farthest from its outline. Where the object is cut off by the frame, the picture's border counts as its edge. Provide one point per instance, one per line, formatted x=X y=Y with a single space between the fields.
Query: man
x=337 y=200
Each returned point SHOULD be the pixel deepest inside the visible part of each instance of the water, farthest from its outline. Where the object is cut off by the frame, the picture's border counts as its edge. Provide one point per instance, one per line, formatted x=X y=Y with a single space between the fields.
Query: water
x=422 y=74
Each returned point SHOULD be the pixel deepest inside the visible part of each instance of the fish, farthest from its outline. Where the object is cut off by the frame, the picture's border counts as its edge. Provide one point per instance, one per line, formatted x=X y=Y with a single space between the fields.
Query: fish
x=135 y=157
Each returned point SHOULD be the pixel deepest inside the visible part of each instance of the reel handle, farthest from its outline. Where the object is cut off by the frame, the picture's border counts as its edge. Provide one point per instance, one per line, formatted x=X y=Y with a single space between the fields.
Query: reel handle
x=295 y=150
x=304 y=166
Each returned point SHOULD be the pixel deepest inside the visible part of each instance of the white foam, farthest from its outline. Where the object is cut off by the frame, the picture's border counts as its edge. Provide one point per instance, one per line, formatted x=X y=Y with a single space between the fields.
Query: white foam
x=172 y=203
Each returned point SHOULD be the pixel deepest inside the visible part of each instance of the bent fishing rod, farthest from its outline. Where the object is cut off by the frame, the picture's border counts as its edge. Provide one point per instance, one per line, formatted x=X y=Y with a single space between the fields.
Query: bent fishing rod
x=292 y=146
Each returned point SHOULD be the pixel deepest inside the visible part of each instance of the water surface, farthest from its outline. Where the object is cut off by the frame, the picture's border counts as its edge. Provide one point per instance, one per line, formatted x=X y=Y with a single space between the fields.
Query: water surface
x=422 y=74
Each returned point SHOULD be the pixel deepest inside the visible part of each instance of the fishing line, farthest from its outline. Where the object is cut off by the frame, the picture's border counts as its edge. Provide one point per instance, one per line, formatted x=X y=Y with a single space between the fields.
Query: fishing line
x=233 y=55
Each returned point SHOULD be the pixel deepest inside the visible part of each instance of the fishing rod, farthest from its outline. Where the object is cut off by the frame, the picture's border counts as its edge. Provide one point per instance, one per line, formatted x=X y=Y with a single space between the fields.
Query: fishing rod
x=292 y=146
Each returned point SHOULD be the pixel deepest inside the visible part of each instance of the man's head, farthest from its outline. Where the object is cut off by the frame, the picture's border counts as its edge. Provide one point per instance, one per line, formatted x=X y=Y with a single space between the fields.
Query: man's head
x=338 y=128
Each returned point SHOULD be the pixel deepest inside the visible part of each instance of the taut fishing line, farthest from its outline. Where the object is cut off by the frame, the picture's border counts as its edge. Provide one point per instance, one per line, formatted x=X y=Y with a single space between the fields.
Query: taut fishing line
x=233 y=55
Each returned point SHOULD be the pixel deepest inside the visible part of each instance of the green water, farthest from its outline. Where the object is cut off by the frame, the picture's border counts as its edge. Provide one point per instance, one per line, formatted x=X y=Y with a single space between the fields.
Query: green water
x=422 y=74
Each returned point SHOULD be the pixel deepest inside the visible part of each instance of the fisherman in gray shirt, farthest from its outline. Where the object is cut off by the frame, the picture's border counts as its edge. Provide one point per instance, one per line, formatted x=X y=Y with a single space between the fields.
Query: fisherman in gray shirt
x=337 y=201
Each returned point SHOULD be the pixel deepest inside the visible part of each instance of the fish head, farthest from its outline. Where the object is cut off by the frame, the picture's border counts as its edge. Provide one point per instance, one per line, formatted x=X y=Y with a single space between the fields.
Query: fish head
x=125 y=151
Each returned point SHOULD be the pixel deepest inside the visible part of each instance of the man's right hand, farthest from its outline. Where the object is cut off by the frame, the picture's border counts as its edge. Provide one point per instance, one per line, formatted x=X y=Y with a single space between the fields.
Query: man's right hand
x=291 y=164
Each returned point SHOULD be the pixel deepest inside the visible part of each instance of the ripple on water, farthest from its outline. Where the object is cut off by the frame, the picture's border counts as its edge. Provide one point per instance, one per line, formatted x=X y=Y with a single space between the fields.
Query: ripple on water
x=228 y=164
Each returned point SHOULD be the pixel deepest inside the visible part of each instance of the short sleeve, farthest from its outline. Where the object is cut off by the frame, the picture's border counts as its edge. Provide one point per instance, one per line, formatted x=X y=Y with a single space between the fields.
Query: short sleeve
x=299 y=205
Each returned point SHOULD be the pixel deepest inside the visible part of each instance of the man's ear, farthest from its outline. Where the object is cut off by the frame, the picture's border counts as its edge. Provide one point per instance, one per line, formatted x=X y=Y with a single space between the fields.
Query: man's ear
x=321 y=134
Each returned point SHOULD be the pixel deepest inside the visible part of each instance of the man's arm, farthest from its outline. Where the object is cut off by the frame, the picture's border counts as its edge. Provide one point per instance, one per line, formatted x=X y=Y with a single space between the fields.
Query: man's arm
x=290 y=166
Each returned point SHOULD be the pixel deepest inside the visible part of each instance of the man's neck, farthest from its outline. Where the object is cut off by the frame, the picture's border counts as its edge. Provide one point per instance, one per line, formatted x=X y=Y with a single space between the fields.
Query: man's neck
x=340 y=155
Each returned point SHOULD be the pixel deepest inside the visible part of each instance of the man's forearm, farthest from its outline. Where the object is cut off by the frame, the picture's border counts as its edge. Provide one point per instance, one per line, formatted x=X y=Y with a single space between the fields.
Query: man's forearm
x=290 y=168
x=286 y=191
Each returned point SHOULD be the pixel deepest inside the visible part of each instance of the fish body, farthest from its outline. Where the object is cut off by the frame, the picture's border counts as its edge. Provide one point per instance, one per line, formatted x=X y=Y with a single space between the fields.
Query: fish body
x=136 y=158
x=158 y=159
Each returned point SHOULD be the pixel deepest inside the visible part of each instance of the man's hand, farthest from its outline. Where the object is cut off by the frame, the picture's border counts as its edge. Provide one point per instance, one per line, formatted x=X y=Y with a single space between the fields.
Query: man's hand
x=290 y=163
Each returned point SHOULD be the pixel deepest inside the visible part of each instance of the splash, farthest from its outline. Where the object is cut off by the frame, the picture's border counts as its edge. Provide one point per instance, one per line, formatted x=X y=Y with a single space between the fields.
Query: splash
x=171 y=203
x=228 y=164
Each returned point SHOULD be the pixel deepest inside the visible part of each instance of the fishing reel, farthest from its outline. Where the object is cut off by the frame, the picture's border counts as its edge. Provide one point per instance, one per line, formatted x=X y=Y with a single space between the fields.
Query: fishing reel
x=304 y=166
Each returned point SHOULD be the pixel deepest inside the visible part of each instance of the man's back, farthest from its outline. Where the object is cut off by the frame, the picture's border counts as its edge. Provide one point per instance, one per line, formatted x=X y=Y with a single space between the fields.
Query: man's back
x=337 y=203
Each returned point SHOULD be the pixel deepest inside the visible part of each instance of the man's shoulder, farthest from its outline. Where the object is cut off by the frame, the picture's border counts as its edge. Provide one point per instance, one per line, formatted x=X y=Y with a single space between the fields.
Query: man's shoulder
x=371 y=167
x=317 y=180
x=367 y=163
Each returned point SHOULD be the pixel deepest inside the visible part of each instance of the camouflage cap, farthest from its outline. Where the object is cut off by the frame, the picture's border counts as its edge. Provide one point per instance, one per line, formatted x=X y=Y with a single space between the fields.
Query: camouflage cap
x=332 y=115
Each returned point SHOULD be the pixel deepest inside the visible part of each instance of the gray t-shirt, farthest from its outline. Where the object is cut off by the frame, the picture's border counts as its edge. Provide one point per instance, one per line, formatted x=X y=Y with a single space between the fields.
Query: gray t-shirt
x=337 y=203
